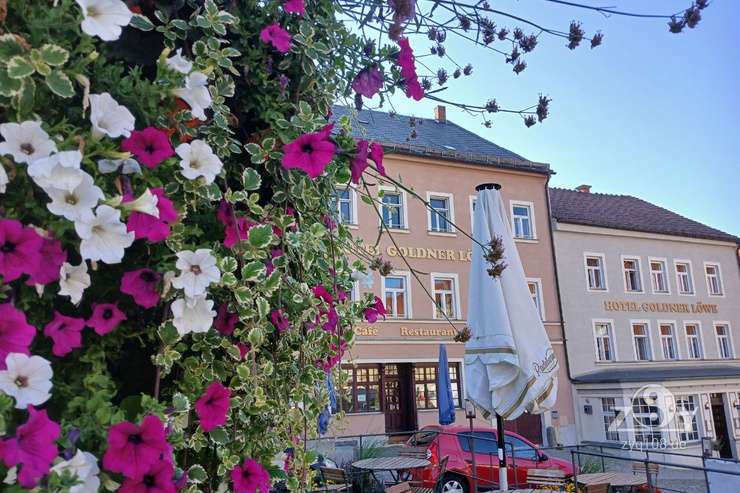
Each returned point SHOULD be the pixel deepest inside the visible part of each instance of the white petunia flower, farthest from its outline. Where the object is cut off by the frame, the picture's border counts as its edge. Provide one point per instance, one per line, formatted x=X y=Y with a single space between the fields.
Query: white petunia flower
x=198 y=271
x=3 y=179
x=177 y=63
x=60 y=170
x=104 y=236
x=25 y=141
x=84 y=465
x=146 y=203
x=104 y=18
x=193 y=314
x=196 y=94
x=198 y=159
x=366 y=280
x=73 y=281
x=127 y=166
x=109 y=118
x=73 y=203
x=27 y=379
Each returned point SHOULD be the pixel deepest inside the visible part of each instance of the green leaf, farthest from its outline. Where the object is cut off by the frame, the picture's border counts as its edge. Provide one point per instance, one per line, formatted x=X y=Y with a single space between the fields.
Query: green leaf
x=228 y=279
x=8 y=87
x=9 y=47
x=197 y=474
x=228 y=264
x=60 y=84
x=180 y=403
x=263 y=307
x=219 y=435
x=251 y=179
x=243 y=295
x=253 y=271
x=261 y=236
x=366 y=199
x=54 y=55
x=180 y=24
x=168 y=334
x=20 y=67
x=272 y=283
x=230 y=52
x=141 y=23
x=26 y=97
x=253 y=148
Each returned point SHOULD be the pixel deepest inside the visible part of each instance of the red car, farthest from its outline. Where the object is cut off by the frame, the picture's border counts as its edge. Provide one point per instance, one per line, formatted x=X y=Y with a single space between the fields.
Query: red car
x=454 y=441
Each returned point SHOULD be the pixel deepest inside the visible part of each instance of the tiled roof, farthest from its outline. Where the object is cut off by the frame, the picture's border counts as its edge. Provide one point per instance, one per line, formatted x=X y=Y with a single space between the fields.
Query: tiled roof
x=627 y=213
x=658 y=374
x=440 y=140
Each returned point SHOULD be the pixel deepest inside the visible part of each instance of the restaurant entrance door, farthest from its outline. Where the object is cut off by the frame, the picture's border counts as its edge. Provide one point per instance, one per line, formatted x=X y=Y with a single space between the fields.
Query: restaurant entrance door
x=399 y=408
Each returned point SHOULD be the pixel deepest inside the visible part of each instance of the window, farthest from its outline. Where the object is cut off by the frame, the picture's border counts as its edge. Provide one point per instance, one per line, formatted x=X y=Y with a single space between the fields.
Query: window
x=668 y=341
x=595 y=272
x=641 y=341
x=686 y=418
x=444 y=291
x=683 y=278
x=353 y=291
x=604 y=344
x=609 y=415
x=396 y=296
x=714 y=280
x=535 y=289
x=441 y=215
x=521 y=214
x=693 y=341
x=363 y=384
x=632 y=281
x=724 y=346
x=343 y=206
x=425 y=385
x=647 y=420
x=393 y=209
x=658 y=276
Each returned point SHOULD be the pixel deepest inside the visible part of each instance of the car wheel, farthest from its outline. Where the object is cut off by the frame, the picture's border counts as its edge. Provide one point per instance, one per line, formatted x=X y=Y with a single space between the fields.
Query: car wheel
x=452 y=483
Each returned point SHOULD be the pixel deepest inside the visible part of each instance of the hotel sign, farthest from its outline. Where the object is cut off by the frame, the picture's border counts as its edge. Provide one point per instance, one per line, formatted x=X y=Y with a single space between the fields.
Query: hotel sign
x=422 y=253
x=633 y=306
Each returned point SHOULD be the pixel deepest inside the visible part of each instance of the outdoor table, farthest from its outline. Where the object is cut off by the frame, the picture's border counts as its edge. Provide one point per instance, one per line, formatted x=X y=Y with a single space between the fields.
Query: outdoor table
x=613 y=478
x=393 y=465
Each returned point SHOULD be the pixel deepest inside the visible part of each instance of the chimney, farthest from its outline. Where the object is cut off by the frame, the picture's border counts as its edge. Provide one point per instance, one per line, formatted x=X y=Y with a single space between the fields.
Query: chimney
x=584 y=189
x=440 y=114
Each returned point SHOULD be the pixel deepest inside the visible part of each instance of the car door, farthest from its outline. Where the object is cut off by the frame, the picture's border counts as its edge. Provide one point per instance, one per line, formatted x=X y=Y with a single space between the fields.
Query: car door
x=486 y=457
x=522 y=458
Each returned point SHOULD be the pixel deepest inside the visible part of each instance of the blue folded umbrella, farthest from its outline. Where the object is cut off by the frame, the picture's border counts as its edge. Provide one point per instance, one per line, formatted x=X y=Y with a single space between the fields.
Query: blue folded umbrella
x=445 y=401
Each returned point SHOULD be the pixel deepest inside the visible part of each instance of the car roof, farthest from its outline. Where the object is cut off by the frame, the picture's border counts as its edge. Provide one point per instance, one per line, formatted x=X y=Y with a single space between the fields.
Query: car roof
x=462 y=429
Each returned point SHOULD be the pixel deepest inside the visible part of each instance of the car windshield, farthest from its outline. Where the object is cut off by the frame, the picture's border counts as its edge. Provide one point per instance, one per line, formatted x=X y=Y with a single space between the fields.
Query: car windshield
x=423 y=438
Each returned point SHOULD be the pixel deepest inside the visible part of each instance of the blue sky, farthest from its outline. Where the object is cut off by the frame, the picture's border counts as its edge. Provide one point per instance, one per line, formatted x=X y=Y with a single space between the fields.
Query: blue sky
x=649 y=114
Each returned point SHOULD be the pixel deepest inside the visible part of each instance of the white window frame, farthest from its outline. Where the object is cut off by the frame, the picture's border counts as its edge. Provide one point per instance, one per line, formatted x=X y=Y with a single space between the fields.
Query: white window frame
x=718 y=276
x=646 y=411
x=403 y=203
x=647 y=337
x=683 y=412
x=455 y=295
x=407 y=277
x=537 y=296
x=664 y=263
x=610 y=335
x=472 y=199
x=728 y=336
x=354 y=293
x=638 y=274
x=689 y=276
x=672 y=339
x=700 y=346
x=609 y=410
x=430 y=213
x=602 y=259
x=352 y=205
x=530 y=207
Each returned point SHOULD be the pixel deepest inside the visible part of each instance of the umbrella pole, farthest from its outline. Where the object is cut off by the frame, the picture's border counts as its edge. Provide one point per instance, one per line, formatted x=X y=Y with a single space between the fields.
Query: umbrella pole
x=503 y=477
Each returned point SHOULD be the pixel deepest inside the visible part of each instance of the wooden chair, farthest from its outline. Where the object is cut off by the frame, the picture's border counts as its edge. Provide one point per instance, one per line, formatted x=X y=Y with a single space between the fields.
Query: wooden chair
x=598 y=488
x=546 y=477
x=399 y=488
x=417 y=452
x=333 y=480
x=442 y=469
x=651 y=469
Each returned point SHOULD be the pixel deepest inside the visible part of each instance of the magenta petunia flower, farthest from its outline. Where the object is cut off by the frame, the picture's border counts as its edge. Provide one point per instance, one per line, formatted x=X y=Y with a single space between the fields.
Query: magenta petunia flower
x=52 y=258
x=278 y=36
x=321 y=293
x=250 y=478
x=358 y=164
x=15 y=333
x=407 y=62
x=20 y=249
x=182 y=481
x=368 y=82
x=105 y=317
x=132 y=449
x=238 y=232
x=225 y=213
x=213 y=407
x=280 y=319
x=158 y=479
x=295 y=6
x=374 y=310
x=225 y=320
x=243 y=349
x=142 y=285
x=33 y=447
x=150 y=146
x=376 y=154
x=66 y=332
x=152 y=228
x=269 y=264
x=310 y=152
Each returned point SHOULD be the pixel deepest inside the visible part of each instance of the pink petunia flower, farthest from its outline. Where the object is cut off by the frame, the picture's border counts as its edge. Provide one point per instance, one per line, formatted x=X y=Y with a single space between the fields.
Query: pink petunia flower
x=407 y=62
x=374 y=310
x=295 y=6
x=150 y=227
x=269 y=264
x=33 y=447
x=280 y=319
x=310 y=152
x=250 y=478
x=19 y=249
x=142 y=285
x=66 y=332
x=243 y=349
x=368 y=82
x=105 y=317
x=321 y=293
x=213 y=407
x=365 y=151
x=278 y=36
x=238 y=232
x=132 y=449
x=225 y=320
x=15 y=333
x=150 y=146
x=158 y=479
x=52 y=258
